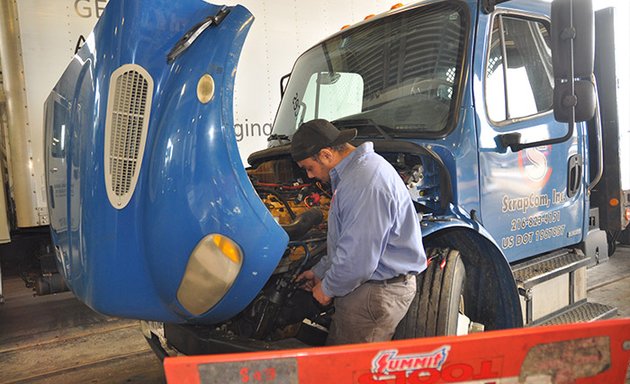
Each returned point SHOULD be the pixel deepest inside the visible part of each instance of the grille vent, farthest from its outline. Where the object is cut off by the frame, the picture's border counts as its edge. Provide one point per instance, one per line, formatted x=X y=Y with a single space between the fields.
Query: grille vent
x=126 y=124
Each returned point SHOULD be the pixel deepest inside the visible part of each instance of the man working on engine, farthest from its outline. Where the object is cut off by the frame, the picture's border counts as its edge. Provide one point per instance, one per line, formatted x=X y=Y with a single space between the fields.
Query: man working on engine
x=374 y=240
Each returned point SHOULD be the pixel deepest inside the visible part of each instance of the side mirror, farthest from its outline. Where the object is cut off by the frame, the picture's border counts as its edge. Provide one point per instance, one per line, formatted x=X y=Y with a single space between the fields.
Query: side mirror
x=582 y=97
x=572 y=41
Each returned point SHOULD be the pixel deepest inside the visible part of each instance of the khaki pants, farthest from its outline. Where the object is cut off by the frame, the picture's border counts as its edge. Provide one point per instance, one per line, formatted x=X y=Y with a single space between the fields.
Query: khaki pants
x=371 y=312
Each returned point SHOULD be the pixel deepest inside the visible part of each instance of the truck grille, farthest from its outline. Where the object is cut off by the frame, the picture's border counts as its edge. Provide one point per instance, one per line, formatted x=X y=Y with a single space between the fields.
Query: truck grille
x=128 y=110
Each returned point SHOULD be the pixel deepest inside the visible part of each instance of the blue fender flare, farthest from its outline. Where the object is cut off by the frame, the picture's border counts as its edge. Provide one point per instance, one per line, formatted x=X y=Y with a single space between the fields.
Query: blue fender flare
x=492 y=288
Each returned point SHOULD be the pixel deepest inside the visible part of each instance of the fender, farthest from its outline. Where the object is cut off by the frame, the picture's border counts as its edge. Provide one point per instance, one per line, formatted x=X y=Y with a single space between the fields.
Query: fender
x=485 y=264
x=455 y=216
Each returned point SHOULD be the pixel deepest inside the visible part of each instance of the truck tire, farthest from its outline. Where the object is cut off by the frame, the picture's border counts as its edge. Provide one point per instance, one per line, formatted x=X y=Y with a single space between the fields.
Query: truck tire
x=612 y=237
x=439 y=297
x=624 y=238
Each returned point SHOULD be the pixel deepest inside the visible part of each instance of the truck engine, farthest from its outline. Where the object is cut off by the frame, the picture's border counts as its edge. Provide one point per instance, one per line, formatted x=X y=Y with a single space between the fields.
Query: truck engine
x=300 y=205
x=282 y=310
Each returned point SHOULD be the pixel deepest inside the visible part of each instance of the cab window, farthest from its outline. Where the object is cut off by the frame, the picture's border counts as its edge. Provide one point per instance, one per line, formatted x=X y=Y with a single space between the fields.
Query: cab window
x=519 y=77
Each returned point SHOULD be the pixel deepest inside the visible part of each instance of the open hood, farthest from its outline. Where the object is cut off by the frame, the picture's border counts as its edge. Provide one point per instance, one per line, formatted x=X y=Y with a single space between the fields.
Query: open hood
x=152 y=213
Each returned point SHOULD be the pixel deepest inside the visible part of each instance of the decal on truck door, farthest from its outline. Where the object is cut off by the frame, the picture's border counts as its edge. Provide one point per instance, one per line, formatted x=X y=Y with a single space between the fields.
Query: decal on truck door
x=532 y=163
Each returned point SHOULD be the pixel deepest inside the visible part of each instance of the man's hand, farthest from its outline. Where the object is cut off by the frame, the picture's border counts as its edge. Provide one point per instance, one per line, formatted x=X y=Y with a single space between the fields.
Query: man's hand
x=320 y=296
x=311 y=280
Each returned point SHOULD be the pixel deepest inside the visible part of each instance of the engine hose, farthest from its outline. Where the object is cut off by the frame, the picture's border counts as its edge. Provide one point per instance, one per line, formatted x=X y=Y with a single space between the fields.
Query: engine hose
x=303 y=223
x=305 y=259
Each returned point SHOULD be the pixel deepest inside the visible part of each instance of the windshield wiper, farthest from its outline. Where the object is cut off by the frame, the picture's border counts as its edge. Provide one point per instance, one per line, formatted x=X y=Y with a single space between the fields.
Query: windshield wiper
x=362 y=123
x=194 y=32
x=277 y=136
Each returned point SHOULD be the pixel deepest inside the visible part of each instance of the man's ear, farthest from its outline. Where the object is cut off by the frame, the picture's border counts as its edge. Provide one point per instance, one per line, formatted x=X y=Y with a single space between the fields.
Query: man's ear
x=326 y=154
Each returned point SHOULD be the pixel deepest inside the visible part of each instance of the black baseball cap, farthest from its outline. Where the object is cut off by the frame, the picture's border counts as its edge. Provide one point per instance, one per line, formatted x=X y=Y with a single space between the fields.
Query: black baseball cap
x=316 y=134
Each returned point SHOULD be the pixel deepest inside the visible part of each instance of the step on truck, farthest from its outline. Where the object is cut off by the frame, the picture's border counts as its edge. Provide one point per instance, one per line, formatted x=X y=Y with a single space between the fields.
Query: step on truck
x=499 y=142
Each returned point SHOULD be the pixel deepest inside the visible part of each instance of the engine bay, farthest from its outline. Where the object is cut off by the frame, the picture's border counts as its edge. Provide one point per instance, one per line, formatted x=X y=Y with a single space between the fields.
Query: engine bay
x=282 y=310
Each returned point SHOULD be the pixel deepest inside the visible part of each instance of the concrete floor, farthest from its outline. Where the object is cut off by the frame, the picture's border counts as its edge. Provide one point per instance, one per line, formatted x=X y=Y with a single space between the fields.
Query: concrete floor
x=56 y=339
x=609 y=282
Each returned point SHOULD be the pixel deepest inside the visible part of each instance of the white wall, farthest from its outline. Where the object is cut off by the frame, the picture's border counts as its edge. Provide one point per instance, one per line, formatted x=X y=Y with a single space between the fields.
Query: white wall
x=281 y=31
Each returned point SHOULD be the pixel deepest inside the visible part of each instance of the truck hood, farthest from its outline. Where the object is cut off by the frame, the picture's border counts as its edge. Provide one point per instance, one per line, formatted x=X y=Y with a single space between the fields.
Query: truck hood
x=143 y=167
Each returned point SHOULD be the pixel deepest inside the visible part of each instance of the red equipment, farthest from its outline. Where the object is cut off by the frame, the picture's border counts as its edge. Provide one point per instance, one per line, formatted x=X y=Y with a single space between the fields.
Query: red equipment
x=597 y=352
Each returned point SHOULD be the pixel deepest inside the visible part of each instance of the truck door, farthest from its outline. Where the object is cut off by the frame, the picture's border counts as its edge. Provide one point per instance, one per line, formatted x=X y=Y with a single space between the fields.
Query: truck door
x=532 y=200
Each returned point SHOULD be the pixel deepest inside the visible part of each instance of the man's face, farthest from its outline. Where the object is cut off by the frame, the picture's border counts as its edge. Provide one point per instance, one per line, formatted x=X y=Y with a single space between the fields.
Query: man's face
x=317 y=168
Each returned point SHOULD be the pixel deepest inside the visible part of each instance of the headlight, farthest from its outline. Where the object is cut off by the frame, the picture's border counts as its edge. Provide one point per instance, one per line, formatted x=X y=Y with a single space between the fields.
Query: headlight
x=211 y=270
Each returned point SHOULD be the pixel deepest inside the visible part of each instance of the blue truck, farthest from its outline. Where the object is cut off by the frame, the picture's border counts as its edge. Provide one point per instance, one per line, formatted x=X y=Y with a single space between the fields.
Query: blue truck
x=501 y=145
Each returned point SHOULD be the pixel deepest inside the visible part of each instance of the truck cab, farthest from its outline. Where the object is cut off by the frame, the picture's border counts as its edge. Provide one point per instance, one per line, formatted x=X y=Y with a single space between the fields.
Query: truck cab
x=164 y=224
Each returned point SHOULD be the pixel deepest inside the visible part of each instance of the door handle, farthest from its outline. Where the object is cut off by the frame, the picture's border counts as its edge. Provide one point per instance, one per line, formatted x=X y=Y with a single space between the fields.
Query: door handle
x=574 y=175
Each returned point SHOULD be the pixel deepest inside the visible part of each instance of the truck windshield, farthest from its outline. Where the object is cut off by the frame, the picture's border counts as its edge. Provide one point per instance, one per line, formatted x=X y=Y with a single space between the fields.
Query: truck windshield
x=395 y=76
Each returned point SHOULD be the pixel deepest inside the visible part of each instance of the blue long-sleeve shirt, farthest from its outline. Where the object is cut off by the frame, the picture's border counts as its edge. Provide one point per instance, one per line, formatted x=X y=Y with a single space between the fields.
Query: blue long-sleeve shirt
x=373 y=228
